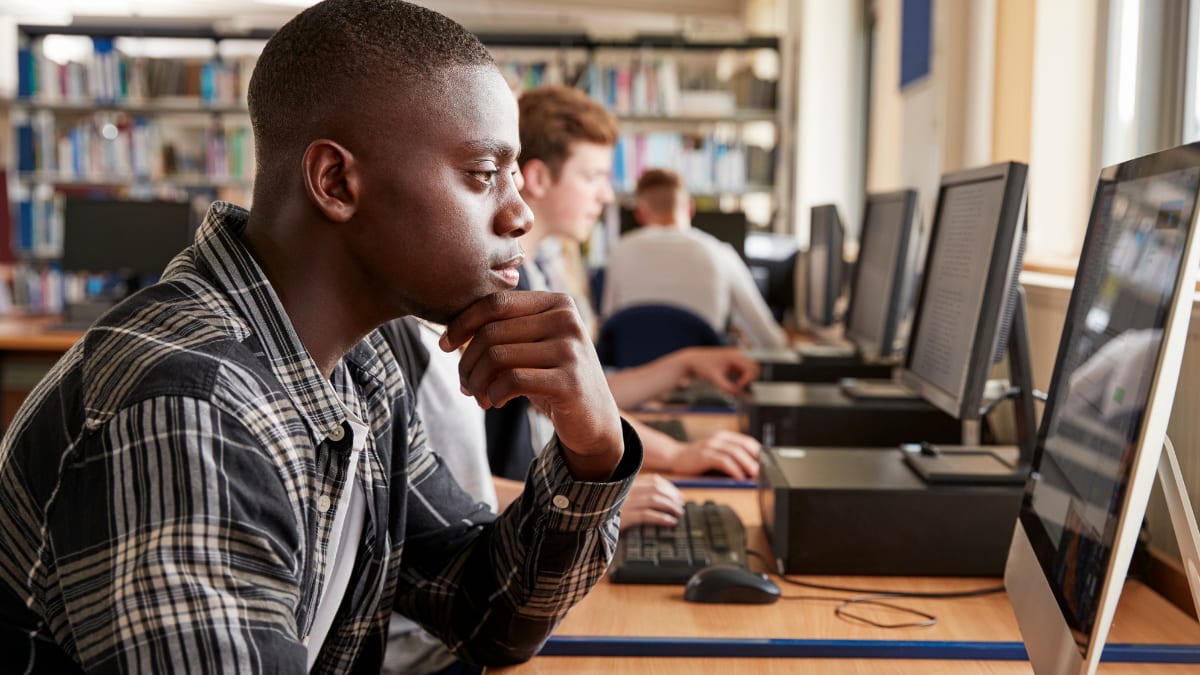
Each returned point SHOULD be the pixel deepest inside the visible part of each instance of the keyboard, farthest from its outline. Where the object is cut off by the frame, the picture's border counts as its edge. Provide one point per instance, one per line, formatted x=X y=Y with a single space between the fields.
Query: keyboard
x=671 y=427
x=707 y=534
x=701 y=395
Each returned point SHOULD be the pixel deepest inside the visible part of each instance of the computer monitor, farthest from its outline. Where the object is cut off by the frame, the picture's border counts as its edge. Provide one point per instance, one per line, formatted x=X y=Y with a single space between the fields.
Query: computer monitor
x=824 y=265
x=884 y=279
x=728 y=226
x=771 y=259
x=1105 y=420
x=960 y=325
x=132 y=239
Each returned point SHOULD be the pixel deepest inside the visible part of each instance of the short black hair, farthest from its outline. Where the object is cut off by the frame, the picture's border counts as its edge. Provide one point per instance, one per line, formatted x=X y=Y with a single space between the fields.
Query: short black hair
x=318 y=62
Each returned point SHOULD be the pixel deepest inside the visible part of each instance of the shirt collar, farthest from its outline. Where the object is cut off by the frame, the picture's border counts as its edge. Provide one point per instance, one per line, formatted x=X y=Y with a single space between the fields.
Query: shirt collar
x=221 y=256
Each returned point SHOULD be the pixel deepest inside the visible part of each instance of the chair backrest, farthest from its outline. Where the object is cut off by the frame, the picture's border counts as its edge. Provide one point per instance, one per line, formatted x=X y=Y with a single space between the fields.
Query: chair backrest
x=641 y=333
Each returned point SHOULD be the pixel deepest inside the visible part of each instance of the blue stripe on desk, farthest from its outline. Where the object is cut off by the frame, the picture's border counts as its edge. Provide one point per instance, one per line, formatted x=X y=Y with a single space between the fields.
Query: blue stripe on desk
x=861 y=649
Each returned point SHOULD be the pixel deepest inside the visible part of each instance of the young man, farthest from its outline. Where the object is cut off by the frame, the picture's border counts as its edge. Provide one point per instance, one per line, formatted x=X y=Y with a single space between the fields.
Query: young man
x=566 y=157
x=227 y=475
x=668 y=261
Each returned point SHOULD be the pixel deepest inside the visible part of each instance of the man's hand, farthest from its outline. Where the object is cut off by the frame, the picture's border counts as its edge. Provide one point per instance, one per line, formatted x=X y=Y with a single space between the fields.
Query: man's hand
x=653 y=500
x=728 y=452
x=729 y=368
x=525 y=343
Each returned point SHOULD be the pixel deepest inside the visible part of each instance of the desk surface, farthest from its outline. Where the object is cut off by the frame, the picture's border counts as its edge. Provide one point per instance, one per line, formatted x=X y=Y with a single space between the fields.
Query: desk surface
x=31 y=334
x=660 y=611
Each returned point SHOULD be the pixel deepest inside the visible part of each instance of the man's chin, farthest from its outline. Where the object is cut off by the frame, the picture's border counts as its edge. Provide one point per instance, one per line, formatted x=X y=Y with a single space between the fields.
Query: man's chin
x=446 y=315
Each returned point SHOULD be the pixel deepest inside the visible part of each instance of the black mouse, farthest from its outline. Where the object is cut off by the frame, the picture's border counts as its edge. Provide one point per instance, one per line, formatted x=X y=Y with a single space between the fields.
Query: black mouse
x=730 y=584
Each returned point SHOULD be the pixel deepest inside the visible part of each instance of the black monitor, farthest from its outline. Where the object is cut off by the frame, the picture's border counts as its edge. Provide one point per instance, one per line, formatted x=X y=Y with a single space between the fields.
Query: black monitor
x=884 y=279
x=970 y=286
x=730 y=227
x=1111 y=394
x=824 y=265
x=131 y=239
x=771 y=259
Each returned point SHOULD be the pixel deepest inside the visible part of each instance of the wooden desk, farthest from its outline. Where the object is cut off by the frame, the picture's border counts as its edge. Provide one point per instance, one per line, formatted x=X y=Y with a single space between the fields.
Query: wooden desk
x=27 y=338
x=660 y=611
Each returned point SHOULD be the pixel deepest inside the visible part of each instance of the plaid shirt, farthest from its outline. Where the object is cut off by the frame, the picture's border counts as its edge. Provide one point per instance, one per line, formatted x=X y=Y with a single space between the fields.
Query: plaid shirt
x=166 y=492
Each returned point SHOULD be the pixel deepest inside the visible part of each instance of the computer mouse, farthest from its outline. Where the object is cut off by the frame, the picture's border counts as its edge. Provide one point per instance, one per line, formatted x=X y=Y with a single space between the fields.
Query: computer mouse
x=730 y=584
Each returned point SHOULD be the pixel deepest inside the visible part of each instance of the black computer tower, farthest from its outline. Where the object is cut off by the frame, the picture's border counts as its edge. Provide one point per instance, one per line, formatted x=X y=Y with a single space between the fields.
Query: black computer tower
x=862 y=511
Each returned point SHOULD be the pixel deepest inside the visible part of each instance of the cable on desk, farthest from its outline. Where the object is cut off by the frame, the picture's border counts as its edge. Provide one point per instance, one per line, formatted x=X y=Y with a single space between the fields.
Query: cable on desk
x=874 y=597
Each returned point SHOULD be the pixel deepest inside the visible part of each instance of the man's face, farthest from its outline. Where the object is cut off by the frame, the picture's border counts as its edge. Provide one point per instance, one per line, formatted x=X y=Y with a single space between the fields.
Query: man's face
x=575 y=201
x=439 y=213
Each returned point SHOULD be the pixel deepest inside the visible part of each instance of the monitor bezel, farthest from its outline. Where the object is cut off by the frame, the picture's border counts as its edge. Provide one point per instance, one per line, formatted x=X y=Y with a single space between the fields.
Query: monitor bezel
x=834 y=260
x=886 y=345
x=1002 y=273
x=1049 y=639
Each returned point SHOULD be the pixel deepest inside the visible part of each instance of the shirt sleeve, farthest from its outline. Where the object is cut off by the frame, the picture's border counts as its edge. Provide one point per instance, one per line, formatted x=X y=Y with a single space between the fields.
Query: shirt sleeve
x=748 y=309
x=176 y=551
x=493 y=592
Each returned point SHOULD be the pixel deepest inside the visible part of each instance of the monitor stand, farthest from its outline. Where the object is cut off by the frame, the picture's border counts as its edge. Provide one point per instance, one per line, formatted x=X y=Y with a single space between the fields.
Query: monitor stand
x=1183 y=519
x=964 y=464
x=949 y=464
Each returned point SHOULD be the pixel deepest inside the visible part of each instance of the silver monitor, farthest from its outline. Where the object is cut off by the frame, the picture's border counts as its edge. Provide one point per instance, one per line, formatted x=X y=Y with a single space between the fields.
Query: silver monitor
x=1106 y=414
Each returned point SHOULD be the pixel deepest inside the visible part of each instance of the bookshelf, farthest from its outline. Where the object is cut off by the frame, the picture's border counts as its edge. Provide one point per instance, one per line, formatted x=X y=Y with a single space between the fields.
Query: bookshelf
x=709 y=110
x=118 y=119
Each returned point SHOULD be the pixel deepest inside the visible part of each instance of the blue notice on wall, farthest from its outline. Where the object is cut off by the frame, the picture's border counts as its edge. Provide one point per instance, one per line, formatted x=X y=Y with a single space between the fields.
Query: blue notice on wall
x=916 y=29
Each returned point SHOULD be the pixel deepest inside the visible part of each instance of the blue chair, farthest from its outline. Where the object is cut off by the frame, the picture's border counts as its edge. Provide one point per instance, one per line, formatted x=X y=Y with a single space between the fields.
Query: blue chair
x=641 y=333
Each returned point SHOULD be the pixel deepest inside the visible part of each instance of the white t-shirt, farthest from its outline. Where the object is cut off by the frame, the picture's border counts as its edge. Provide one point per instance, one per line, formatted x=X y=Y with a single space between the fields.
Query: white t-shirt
x=347 y=529
x=691 y=269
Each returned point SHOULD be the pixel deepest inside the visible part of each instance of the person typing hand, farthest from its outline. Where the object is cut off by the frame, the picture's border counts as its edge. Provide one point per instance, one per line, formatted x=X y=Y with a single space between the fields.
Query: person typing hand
x=729 y=368
x=653 y=500
x=727 y=452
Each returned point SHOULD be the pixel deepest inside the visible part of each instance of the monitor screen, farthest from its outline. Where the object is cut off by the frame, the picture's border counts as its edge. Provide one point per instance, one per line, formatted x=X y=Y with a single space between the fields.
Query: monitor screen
x=1111 y=393
x=771 y=259
x=729 y=227
x=884 y=266
x=136 y=238
x=974 y=251
x=824 y=264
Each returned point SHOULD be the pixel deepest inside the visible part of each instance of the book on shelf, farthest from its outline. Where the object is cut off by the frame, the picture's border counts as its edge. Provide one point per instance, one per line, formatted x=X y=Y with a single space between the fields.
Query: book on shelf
x=109 y=76
x=113 y=146
x=706 y=162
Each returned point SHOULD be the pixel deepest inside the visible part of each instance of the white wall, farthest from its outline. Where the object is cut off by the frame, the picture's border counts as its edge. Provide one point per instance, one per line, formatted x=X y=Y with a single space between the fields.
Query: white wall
x=1063 y=161
x=829 y=135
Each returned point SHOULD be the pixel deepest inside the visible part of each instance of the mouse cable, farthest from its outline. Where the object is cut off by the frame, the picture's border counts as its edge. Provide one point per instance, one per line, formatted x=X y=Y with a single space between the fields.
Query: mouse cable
x=873 y=598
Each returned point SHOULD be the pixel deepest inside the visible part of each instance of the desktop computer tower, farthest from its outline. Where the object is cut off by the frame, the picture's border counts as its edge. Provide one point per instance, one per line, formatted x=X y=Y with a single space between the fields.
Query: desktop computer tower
x=862 y=511
x=815 y=415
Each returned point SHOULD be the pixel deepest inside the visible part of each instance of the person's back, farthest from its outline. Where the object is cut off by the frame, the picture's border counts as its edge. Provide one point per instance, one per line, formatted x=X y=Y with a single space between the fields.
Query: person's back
x=668 y=265
x=668 y=262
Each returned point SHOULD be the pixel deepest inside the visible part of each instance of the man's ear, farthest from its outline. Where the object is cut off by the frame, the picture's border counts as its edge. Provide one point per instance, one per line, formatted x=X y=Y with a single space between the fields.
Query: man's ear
x=538 y=178
x=639 y=215
x=331 y=179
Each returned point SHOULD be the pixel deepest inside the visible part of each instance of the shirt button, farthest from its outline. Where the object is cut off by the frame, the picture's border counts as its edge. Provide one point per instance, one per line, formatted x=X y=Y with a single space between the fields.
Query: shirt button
x=323 y=503
x=337 y=434
x=561 y=501
x=304 y=641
